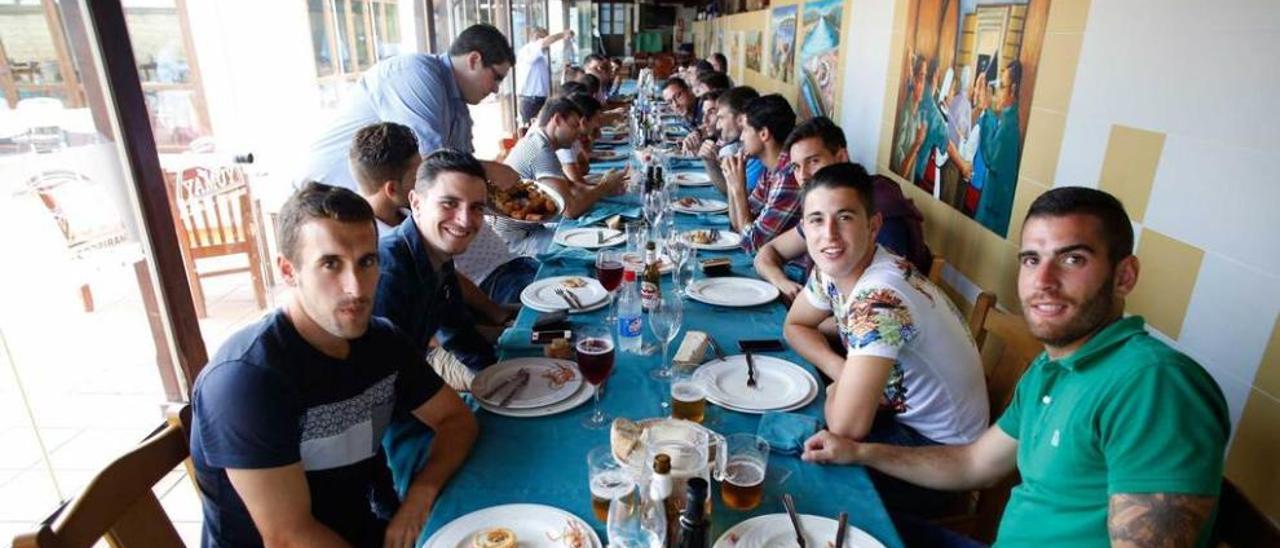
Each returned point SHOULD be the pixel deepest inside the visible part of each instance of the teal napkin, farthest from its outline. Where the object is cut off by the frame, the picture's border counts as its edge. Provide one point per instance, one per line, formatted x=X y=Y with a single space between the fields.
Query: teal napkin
x=515 y=342
x=567 y=253
x=605 y=209
x=786 y=432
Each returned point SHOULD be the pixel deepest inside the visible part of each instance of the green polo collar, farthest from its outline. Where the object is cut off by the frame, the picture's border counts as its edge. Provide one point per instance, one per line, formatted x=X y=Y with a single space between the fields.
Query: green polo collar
x=1101 y=343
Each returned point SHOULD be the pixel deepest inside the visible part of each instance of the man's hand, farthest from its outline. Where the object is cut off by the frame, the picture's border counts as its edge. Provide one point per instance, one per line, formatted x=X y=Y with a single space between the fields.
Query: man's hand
x=790 y=290
x=827 y=448
x=406 y=525
x=691 y=142
x=501 y=175
x=735 y=171
x=709 y=151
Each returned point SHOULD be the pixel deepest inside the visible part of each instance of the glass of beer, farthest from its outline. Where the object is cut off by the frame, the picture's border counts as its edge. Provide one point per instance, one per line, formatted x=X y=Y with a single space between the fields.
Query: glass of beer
x=742 y=487
x=688 y=398
x=595 y=362
x=609 y=481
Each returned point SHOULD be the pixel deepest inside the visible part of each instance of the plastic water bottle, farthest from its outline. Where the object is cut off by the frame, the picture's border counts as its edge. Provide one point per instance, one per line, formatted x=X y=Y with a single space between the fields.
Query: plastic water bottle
x=630 y=316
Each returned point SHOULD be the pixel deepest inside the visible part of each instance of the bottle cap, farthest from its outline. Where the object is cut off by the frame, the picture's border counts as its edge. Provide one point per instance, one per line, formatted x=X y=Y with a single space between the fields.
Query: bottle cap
x=662 y=464
x=650 y=246
x=629 y=275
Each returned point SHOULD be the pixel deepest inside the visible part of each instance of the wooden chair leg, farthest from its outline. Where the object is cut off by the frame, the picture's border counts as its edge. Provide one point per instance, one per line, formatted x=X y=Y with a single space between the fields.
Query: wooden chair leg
x=255 y=271
x=86 y=298
x=197 y=292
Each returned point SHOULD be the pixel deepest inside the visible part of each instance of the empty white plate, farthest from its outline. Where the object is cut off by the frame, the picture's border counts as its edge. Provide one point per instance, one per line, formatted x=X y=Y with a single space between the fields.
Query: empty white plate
x=533 y=524
x=550 y=381
x=541 y=295
x=591 y=237
x=775 y=530
x=731 y=291
x=780 y=384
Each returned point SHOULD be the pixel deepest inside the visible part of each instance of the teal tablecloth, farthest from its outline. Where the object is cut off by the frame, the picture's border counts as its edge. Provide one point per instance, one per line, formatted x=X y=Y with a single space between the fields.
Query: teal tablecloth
x=544 y=461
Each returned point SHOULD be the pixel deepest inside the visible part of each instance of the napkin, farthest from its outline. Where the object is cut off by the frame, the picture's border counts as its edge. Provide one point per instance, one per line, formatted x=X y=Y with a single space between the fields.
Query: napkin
x=567 y=253
x=603 y=210
x=685 y=163
x=786 y=432
x=515 y=342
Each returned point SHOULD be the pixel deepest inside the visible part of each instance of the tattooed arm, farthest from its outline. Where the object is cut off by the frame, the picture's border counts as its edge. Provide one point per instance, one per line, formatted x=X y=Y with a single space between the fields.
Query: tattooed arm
x=1157 y=519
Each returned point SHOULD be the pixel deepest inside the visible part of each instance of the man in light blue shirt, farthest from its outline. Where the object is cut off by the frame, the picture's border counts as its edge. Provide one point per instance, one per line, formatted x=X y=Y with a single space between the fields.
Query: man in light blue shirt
x=428 y=93
x=533 y=72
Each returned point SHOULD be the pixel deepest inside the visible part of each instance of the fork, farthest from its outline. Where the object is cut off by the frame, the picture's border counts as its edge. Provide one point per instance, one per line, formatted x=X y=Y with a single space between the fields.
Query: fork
x=564 y=295
x=751 y=371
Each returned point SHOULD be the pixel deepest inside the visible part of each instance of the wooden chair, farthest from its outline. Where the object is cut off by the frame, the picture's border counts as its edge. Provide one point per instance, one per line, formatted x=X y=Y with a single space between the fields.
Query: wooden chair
x=214 y=213
x=119 y=504
x=1240 y=524
x=94 y=231
x=1009 y=347
x=935 y=269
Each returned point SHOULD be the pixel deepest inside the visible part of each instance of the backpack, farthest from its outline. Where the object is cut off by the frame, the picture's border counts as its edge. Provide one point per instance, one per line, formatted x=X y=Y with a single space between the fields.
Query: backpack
x=895 y=207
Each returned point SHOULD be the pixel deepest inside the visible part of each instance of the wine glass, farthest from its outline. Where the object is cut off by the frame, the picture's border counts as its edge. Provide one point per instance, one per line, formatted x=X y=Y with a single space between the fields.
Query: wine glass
x=683 y=257
x=609 y=272
x=664 y=320
x=595 y=349
x=654 y=204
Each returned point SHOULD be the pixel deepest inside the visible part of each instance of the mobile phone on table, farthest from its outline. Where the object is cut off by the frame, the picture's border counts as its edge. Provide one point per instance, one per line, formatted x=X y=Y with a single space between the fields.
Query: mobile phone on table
x=760 y=345
x=548 y=335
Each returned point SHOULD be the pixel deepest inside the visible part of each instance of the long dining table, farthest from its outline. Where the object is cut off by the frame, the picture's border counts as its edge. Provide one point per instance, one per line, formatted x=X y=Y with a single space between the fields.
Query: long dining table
x=544 y=460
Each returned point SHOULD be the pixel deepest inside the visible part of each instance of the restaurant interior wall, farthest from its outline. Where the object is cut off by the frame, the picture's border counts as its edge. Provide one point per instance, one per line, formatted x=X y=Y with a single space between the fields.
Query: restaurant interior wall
x=1121 y=106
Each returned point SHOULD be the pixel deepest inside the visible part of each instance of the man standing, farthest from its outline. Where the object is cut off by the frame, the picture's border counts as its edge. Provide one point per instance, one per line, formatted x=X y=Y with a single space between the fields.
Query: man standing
x=534 y=71
x=288 y=414
x=428 y=93
x=1118 y=437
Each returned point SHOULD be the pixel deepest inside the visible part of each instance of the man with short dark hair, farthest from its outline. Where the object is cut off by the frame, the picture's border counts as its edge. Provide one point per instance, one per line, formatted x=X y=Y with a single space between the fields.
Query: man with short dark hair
x=384 y=158
x=574 y=159
x=676 y=93
x=910 y=373
x=428 y=93
x=813 y=145
x=288 y=414
x=1119 y=438
x=719 y=62
x=710 y=81
x=534 y=71
x=728 y=122
x=599 y=66
x=773 y=206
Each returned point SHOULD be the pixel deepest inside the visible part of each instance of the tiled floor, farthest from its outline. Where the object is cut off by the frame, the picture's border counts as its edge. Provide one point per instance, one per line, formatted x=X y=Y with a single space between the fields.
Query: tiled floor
x=94 y=395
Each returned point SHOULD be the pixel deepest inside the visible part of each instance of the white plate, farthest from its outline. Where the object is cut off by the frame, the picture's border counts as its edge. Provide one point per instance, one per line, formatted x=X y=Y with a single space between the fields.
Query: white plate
x=775 y=530
x=699 y=205
x=732 y=291
x=543 y=388
x=606 y=155
x=583 y=395
x=728 y=240
x=541 y=295
x=691 y=179
x=779 y=384
x=612 y=139
x=587 y=238
x=530 y=523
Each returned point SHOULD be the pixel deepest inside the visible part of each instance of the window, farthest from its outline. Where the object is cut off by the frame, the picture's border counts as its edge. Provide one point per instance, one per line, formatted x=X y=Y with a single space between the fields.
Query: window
x=349 y=37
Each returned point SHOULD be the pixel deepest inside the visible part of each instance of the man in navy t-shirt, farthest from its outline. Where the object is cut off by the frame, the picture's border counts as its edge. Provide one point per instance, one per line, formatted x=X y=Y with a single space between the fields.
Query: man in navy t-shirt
x=289 y=413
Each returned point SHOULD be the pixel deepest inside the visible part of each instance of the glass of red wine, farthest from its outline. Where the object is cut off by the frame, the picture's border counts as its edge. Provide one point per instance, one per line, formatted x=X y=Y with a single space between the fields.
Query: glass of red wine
x=609 y=272
x=595 y=349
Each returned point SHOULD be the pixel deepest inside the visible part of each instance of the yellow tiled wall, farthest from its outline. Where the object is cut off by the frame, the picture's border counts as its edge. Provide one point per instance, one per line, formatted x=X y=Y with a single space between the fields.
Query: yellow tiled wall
x=1208 y=286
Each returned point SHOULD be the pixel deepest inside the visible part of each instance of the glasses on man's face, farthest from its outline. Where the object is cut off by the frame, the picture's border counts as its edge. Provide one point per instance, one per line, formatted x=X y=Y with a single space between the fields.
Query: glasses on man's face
x=497 y=78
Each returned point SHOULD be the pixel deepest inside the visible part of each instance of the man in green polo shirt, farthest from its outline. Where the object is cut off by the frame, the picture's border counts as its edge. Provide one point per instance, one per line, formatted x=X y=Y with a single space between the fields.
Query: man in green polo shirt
x=1118 y=437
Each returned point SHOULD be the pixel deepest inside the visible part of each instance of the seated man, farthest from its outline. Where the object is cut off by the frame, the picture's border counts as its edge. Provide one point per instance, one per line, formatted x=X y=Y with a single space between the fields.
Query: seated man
x=575 y=159
x=706 y=130
x=288 y=414
x=710 y=81
x=676 y=93
x=911 y=374
x=719 y=62
x=814 y=145
x=773 y=207
x=534 y=158
x=1118 y=437
x=729 y=108
x=384 y=161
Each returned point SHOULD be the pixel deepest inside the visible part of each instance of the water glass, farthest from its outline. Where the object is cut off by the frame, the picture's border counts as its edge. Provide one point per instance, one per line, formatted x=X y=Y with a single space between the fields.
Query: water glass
x=608 y=480
x=664 y=320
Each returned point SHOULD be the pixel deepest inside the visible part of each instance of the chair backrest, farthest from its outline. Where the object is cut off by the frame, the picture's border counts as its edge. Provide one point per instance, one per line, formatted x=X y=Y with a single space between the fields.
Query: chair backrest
x=936 y=267
x=212 y=208
x=119 y=503
x=80 y=207
x=1240 y=524
x=1018 y=348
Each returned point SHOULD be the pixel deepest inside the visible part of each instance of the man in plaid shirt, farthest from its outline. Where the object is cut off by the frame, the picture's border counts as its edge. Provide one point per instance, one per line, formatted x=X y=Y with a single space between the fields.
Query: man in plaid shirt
x=773 y=206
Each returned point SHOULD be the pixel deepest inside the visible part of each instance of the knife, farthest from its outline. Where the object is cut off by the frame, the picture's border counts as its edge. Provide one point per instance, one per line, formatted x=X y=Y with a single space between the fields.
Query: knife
x=487 y=396
x=715 y=347
x=523 y=381
x=844 y=525
x=795 y=519
x=751 y=370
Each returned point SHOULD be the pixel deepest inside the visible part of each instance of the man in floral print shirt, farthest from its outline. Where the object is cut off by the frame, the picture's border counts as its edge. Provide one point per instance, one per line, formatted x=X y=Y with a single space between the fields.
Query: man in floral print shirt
x=911 y=374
